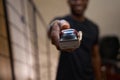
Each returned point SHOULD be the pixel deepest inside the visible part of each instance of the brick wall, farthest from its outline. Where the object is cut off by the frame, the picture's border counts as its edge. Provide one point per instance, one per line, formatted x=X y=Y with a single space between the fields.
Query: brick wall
x=33 y=58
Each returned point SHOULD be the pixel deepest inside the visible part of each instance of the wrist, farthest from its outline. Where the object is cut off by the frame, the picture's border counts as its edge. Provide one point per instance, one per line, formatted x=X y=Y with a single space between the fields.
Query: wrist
x=50 y=29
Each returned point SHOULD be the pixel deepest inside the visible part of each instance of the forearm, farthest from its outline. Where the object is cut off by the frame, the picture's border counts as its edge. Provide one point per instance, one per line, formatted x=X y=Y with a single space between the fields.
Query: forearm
x=97 y=67
x=54 y=31
x=96 y=61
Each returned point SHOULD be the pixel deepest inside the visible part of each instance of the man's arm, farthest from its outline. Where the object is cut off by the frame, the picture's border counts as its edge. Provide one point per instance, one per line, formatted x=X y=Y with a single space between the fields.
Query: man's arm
x=54 y=31
x=96 y=61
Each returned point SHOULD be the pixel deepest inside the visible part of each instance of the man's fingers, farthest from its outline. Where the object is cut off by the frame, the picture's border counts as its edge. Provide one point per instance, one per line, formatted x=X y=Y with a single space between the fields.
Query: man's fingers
x=64 y=24
x=55 y=35
x=57 y=26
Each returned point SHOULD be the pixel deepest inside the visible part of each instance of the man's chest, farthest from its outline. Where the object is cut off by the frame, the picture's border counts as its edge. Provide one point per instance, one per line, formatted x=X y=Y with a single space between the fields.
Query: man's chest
x=89 y=33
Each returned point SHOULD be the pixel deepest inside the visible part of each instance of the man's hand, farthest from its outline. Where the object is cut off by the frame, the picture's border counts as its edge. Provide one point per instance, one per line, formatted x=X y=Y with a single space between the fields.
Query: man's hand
x=56 y=27
x=54 y=33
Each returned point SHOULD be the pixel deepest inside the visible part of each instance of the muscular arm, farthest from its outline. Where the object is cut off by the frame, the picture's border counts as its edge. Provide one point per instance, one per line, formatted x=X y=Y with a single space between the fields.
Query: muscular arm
x=96 y=61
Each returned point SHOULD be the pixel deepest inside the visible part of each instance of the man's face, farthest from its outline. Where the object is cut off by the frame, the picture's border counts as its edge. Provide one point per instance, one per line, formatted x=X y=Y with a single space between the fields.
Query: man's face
x=78 y=7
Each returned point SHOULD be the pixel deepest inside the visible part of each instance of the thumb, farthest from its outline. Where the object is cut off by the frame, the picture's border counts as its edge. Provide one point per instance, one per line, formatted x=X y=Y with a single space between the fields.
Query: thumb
x=64 y=24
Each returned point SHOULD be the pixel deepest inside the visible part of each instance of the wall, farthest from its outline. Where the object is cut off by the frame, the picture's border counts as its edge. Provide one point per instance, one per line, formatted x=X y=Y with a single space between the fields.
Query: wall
x=5 y=62
x=107 y=14
x=22 y=40
x=29 y=43
x=104 y=12
x=32 y=58
x=28 y=57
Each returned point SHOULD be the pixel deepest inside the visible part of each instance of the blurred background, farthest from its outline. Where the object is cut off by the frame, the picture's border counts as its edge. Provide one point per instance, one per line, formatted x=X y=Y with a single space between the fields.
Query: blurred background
x=27 y=54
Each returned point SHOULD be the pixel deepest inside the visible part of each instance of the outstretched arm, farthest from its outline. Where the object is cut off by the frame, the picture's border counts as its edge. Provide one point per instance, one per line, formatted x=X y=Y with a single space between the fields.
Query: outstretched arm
x=54 y=31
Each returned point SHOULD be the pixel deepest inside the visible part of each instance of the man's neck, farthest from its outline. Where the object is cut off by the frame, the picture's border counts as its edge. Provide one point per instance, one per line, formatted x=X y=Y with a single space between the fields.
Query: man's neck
x=78 y=18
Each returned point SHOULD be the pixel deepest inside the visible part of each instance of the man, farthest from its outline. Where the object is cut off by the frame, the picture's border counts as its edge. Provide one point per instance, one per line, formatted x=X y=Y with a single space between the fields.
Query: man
x=82 y=63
